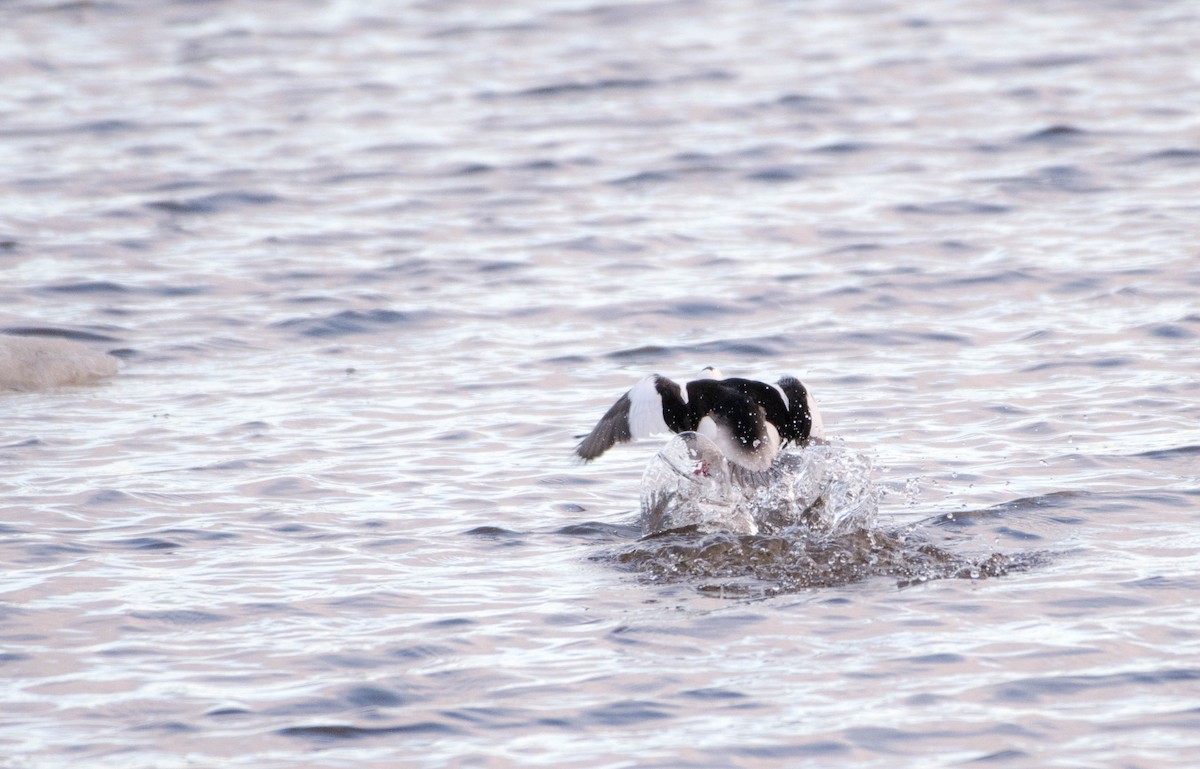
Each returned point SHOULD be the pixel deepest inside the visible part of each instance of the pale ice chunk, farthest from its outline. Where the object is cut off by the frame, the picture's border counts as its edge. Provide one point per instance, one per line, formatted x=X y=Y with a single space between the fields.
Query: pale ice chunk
x=35 y=363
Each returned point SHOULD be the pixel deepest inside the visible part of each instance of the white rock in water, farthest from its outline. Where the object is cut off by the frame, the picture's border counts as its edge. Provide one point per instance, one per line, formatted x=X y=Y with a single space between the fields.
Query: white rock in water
x=38 y=363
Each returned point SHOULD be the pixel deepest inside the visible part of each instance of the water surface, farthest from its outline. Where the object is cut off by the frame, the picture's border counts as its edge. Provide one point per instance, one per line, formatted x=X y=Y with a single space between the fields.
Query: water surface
x=372 y=266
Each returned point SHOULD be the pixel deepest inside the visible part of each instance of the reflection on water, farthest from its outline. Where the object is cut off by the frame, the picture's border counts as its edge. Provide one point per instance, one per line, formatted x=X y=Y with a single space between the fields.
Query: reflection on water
x=368 y=266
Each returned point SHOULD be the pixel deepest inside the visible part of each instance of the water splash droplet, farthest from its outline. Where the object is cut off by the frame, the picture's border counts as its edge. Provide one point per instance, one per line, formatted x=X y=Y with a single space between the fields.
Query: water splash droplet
x=690 y=484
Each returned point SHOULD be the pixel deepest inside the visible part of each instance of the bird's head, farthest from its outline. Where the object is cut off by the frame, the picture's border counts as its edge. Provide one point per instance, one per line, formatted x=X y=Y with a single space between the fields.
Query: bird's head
x=804 y=420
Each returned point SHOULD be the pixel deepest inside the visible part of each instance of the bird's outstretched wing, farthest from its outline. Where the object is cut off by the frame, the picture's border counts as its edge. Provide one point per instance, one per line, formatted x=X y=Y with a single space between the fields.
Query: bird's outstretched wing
x=613 y=428
x=638 y=413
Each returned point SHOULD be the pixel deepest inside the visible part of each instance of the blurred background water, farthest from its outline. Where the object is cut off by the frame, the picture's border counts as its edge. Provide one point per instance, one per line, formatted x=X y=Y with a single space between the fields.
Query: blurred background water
x=371 y=266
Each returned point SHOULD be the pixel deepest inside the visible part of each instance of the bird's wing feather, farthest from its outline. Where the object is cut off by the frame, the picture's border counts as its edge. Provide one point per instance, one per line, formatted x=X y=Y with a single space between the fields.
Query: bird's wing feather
x=636 y=414
x=612 y=428
x=646 y=407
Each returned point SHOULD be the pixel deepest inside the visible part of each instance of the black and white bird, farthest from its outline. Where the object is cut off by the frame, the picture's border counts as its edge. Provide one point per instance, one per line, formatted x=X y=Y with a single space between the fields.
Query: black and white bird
x=748 y=421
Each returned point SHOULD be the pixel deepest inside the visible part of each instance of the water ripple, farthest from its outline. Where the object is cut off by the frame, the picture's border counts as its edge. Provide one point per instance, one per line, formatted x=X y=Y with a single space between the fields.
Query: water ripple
x=340 y=732
x=218 y=202
x=347 y=322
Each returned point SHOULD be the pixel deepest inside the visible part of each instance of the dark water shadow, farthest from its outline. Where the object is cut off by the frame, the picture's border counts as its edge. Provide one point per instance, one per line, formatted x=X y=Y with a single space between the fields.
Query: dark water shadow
x=76 y=335
x=794 y=560
x=797 y=558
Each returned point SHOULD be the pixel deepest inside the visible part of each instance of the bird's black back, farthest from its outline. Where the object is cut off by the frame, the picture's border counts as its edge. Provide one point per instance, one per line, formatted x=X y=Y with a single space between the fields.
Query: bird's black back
x=731 y=406
x=791 y=419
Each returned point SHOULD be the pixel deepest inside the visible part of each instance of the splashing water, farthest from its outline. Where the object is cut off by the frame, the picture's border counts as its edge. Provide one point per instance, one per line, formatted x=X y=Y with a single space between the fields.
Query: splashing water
x=689 y=484
x=809 y=521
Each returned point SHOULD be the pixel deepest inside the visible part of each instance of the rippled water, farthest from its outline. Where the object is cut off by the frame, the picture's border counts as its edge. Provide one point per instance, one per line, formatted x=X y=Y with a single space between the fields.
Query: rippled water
x=372 y=266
